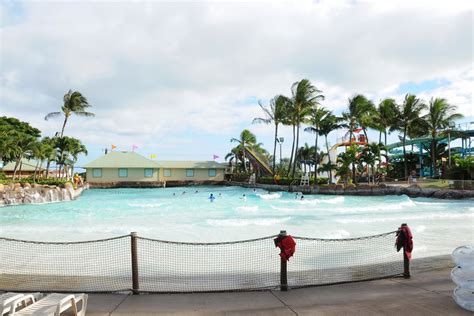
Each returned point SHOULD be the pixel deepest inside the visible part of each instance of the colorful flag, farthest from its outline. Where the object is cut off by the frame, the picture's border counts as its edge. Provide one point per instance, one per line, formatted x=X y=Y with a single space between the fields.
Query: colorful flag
x=214 y=157
x=113 y=147
x=134 y=147
x=152 y=156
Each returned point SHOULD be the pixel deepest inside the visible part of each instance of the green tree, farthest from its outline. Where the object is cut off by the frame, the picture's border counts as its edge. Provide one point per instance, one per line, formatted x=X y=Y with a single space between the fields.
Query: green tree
x=328 y=124
x=408 y=118
x=359 y=113
x=275 y=113
x=315 y=120
x=304 y=97
x=245 y=139
x=440 y=116
x=74 y=103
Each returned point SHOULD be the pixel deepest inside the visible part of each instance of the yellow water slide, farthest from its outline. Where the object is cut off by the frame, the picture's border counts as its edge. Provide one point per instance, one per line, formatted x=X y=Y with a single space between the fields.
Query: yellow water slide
x=254 y=158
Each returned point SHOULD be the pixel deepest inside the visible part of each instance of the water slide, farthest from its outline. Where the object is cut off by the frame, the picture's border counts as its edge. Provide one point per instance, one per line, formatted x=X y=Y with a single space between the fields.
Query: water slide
x=258 y=162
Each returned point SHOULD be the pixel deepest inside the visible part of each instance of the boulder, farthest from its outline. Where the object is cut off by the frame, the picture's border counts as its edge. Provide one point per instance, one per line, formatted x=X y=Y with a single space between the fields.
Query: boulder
x=26 y=185
x=2 y=187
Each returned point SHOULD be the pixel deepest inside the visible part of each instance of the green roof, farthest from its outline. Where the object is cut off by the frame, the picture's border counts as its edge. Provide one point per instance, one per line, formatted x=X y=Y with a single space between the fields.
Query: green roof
x=122 y=159
x=173 y=164
x=26 y=165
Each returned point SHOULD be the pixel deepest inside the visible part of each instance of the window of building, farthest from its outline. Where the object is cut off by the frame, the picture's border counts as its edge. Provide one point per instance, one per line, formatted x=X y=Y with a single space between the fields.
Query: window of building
x=189 y=172
x=148 y=173
x=167 y=172
x=123 y=172
x=212 y=172
x=97 y=173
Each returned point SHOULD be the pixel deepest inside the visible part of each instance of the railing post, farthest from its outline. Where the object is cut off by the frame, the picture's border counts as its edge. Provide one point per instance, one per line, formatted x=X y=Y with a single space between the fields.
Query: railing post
x=135 y=283
x=283 y=275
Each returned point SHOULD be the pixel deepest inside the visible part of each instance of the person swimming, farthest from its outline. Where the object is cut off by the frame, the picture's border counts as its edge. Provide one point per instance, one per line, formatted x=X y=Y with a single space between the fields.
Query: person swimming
x=196 y=191
x=212 y=197
x=184 y=192
x=243 y=197
x=302 y=197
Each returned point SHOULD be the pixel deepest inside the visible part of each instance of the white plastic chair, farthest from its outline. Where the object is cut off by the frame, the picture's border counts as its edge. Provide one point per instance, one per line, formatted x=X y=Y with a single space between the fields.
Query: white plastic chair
x=6 y=300
x=53 y=304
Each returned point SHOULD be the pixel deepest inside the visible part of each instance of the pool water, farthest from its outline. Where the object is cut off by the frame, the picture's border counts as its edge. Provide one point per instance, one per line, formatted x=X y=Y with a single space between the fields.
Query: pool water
x=438 y=226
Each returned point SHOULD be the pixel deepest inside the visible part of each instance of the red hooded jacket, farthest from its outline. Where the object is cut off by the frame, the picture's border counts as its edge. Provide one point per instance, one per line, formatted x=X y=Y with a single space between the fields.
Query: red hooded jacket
x=287 y=245
x=405 y=240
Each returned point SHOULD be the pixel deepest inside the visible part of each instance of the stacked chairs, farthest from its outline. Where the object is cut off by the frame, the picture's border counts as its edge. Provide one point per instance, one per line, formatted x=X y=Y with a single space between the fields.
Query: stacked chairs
x=19 y=304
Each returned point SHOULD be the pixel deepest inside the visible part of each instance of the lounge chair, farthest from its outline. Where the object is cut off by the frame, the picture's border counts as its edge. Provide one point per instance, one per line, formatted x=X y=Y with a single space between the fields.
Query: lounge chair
x=53 y=304
x=6 y=300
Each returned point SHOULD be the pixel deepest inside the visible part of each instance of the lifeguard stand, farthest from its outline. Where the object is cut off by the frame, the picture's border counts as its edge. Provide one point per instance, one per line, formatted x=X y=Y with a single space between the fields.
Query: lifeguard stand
x=305 y=180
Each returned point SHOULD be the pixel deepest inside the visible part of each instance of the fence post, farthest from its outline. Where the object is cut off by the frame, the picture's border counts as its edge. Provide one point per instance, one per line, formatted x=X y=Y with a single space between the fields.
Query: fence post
x=283 y=275
x=406 y=265
x=135 y=283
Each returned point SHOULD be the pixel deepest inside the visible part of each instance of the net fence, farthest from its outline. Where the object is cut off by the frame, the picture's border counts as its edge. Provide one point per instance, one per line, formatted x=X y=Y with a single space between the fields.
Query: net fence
x=170 y=267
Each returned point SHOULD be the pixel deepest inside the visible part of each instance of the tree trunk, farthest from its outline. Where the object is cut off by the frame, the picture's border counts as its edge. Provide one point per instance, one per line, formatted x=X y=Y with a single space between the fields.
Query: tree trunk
x=17 y=163
x=292 y=153
x=243 y=156
x=404 y=152
x=329 y=159
x=36 y=169
x=316 y=161
x=47 y=168
x=380 y=137
x=296 y=149
x=433 y=155
x=275 y=147
x=350 y=143
x=64 y=125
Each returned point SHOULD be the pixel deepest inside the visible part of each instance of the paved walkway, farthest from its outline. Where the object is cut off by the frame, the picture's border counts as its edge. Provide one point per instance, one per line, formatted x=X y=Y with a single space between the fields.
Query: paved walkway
x=427 y=293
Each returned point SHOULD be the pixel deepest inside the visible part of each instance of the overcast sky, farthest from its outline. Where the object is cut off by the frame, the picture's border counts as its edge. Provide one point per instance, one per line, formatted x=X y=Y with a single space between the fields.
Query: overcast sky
x=180 y=79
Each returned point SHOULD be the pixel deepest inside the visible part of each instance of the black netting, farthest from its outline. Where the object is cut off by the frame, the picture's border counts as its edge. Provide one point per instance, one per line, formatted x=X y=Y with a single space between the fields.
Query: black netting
x=97 y=266
x=192 y=267
x=326 y=261
x=164 y=266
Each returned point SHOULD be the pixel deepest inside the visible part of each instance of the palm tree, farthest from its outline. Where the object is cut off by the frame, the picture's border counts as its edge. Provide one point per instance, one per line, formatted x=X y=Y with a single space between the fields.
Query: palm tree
x=408 y=116
x=315 y=120
x=385 y=117
x=275 y=114
x=328 y=124
x=360 y=112
x=440 y=116
x=246 y=138
x=74 y=103
x=304 y=97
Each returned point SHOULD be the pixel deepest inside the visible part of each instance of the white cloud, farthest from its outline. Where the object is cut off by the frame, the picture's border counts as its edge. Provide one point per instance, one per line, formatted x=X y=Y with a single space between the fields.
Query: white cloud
x=152 y=68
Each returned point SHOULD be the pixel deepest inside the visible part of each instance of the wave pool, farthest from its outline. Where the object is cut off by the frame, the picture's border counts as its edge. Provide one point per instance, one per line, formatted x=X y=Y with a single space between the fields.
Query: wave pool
x=438 y=226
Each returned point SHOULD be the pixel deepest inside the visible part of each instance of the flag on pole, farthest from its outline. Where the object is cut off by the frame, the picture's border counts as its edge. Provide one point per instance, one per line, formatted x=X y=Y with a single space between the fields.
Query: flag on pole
x=152 y=156
x=214 y=157
x=134 y=147
x=113 y=146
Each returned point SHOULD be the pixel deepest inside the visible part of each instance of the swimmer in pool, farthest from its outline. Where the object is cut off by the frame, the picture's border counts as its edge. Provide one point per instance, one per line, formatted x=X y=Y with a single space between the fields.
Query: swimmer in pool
x=212 y=197
x=243 y=197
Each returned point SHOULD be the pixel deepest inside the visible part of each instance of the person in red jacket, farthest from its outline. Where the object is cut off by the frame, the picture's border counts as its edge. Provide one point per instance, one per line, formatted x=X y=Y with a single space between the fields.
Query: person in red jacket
x=287 y=245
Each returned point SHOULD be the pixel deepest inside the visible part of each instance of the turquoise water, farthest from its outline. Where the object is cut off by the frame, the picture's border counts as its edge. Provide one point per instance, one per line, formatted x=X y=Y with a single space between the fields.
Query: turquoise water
x=438 y=226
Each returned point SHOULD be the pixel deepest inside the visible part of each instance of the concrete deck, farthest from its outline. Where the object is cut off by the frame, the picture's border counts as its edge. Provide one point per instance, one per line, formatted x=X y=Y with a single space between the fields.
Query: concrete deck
x=427 y=293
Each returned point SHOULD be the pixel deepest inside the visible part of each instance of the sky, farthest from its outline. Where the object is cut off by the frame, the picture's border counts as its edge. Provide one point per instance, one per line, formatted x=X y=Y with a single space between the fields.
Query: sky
x=180 y=79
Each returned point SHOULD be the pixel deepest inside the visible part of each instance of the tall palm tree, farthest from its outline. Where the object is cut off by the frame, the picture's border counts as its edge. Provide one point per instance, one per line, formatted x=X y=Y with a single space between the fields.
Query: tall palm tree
x=74 y=103
x=385 y=117
x=316 y=117
x=408 y=116
x=304 y=96
x=275 y=113
x=440 y=116
x=328 y=124
x=359 y=113
x=246 y=138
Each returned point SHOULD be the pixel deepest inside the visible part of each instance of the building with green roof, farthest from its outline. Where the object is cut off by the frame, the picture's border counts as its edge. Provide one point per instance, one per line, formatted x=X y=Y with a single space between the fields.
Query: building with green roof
x=121 y=167
x=25 y=169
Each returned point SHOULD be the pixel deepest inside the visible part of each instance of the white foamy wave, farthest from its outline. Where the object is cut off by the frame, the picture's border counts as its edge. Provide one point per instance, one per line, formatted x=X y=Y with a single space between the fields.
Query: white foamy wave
x=251 y=209
x=420 y=228
x=336 y=200
x=145 y=205
x=247 y=221
x=283 y=209
x=406 y=218
x=471 y=209
x=339 y=234
x=269 y=196
x=409 y=202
